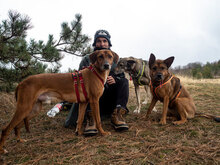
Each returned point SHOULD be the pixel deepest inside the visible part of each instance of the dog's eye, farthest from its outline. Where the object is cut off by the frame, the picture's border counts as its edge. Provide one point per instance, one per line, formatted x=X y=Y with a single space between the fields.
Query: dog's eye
x=109 y=56
x=162 y=68
x=154 y=68
x=101 y=56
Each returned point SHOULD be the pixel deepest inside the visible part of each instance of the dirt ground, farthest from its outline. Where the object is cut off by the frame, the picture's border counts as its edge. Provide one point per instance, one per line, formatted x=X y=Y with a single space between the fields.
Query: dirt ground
x=146 y=142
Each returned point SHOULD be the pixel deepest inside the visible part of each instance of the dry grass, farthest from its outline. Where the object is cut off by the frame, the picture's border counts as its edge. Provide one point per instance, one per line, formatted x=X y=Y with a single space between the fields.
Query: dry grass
x=146 y=142
x=202 y=81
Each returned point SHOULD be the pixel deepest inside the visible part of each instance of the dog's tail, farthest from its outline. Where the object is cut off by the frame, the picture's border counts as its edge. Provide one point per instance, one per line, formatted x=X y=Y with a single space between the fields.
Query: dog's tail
x=209 y=116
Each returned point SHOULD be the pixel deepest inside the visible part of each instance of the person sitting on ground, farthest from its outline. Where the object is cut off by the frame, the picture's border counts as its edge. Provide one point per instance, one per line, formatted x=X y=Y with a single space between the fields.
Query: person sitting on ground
x=115 y=96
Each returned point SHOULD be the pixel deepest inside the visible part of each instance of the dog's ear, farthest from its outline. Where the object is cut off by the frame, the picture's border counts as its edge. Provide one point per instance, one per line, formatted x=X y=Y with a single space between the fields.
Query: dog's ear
x=130 y=62
x=93 y=57
x=116 y=57
x=151 y=60
x=169 y=61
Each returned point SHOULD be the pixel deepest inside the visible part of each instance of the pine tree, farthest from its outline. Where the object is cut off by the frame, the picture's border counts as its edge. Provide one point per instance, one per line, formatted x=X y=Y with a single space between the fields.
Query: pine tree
x=19 y=59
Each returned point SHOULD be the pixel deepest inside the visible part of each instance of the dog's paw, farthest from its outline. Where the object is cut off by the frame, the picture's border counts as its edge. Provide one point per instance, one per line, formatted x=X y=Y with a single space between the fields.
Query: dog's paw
x=78 y=133
x=155 y=110
x=178 y=122
x=145 y=102
x=21 y=140
x=106 y=133
x=136 y=111
x=163 y=122
x=3 y=151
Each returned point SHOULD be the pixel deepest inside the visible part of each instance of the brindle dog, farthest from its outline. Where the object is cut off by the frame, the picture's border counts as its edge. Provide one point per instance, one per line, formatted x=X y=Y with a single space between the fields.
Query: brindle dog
x=167 y=88
x=139 y=71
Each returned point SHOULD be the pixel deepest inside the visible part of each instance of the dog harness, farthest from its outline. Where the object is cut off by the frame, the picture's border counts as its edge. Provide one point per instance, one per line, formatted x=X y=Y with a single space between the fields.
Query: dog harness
x=154 y=90
x=79 y=75
x=140 y=73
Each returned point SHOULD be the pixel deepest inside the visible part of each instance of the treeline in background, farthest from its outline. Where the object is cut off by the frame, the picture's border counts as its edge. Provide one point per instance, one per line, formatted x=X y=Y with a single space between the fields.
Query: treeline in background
x=198 y=70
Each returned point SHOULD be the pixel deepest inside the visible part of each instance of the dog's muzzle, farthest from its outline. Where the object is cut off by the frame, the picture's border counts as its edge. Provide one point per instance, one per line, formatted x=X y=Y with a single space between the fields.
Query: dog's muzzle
x=159 y=77
x=106 y=66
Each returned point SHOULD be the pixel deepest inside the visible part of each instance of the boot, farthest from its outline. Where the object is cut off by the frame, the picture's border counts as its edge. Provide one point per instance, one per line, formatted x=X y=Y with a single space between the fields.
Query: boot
x=117 y=120
x=90 y=129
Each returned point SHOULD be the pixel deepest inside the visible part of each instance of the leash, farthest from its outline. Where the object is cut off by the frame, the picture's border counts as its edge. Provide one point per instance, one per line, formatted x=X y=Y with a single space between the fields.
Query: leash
x=93 y=70
x=154 y=89
x=75 y=75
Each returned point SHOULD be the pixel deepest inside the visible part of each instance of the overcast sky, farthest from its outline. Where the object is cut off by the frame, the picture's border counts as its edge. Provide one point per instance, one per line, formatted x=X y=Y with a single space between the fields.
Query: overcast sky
x=186 y=29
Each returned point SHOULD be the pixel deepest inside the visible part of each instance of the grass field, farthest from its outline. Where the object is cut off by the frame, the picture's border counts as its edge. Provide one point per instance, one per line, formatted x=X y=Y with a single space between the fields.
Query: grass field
x=146 y=142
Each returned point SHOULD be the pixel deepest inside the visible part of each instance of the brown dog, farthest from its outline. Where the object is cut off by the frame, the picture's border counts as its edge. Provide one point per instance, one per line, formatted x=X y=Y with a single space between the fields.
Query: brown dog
x=32 y=91
x=170 y=91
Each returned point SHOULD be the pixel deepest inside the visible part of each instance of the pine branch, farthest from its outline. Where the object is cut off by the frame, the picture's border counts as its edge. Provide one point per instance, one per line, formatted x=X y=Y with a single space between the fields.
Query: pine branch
x=72 y=29
x=69 y=52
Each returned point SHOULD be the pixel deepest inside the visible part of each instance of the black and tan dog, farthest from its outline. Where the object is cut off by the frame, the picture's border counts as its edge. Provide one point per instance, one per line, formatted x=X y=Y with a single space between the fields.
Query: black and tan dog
x=167 y=88
x=138 y=69
x=87 y=88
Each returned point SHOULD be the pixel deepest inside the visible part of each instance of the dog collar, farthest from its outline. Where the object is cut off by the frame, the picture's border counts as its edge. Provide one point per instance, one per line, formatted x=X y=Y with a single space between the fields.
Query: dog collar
x=93 y=70
x=154 y=88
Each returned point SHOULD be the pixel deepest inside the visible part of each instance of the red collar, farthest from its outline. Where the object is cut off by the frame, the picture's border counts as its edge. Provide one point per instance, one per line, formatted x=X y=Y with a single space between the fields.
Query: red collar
x=93 y=70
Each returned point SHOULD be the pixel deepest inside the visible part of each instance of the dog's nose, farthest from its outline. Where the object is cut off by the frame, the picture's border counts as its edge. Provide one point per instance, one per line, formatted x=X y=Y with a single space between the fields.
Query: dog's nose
x=159 y=76
x=106 y=66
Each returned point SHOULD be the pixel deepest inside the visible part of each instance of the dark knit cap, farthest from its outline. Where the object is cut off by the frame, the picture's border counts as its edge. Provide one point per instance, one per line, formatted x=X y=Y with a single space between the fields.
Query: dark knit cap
x=102 y=33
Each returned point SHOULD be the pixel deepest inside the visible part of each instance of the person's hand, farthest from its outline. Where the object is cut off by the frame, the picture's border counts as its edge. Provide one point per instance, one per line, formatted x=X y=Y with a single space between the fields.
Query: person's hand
x=110 y=80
